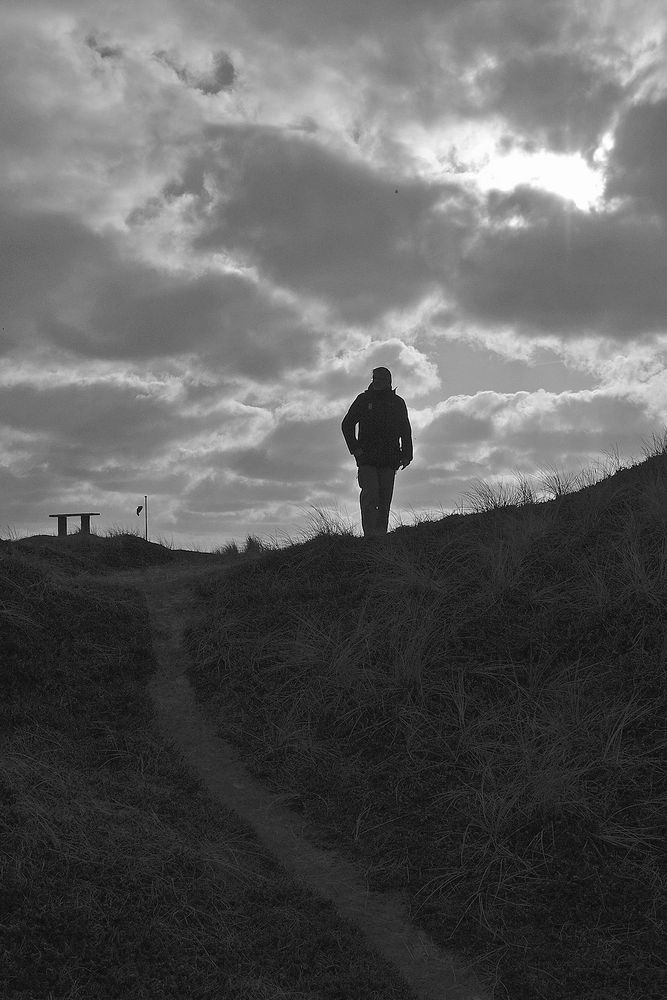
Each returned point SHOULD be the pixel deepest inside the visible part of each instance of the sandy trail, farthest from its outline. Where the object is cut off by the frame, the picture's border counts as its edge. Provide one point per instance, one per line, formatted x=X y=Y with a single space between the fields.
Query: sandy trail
x=432 y=973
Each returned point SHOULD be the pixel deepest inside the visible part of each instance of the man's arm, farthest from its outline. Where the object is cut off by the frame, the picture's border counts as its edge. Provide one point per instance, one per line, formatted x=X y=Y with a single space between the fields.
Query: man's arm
x=348 y=426
x=406 y=439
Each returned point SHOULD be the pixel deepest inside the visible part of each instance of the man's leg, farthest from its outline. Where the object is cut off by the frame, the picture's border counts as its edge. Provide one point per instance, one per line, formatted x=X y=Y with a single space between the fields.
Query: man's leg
x=386 y=491
x=369 y=497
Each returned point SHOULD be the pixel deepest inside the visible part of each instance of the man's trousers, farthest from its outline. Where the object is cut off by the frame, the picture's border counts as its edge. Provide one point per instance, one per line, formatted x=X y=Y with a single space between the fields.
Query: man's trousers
x=377 y=488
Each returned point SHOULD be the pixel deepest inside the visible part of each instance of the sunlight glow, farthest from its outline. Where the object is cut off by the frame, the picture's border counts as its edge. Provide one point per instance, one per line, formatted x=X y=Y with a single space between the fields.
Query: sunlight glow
x=567 y=175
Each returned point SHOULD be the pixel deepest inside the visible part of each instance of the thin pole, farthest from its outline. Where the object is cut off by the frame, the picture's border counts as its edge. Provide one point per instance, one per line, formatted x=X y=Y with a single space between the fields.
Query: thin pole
x=146 y=516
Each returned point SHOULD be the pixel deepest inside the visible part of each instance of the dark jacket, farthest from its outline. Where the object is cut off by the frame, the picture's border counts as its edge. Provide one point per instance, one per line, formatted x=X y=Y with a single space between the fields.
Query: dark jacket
x=385 y=435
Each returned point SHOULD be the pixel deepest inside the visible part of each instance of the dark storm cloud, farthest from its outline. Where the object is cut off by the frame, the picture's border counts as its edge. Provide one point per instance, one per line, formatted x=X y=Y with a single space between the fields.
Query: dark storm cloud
x=77 y=438
x=296 y=451
x=518 y=62
x=75 y=288
x=307 y=22
x=141 y=314
x=104 y=51
x=37 y=252
x=219 y=77
x=557 y=98
x=456 y=425
x=246 y=505
x=542 y=265
x=99 y=416
x=325 y=226
x=108 y=434
x=638 y=161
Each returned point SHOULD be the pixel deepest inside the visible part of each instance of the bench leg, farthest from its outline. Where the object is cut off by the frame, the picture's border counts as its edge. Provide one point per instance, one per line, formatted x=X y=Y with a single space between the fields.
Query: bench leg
x=62 y=524
x=85 y=524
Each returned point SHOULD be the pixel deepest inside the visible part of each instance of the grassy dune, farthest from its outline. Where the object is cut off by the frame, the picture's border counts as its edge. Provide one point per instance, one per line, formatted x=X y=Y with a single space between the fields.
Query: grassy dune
x=475 y=708
x=119 y=878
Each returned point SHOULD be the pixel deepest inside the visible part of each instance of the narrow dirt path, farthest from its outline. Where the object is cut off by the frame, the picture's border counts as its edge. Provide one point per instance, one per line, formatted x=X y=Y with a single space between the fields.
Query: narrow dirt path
x=382 y=917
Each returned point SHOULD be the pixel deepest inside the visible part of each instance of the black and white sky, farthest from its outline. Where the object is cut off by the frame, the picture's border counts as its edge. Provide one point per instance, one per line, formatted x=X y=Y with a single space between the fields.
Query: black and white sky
x=216 y=219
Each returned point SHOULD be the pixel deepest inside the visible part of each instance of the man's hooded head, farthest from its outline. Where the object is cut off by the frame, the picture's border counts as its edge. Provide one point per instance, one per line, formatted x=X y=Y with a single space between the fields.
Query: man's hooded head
x=381 y=379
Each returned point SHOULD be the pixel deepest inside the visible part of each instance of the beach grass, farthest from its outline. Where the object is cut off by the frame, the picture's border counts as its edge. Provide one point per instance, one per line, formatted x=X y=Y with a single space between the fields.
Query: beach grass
x=474 y=708
x=119 y=876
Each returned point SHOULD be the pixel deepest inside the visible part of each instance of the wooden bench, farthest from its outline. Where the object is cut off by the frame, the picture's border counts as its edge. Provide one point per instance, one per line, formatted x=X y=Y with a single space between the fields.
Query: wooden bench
x=85 y=521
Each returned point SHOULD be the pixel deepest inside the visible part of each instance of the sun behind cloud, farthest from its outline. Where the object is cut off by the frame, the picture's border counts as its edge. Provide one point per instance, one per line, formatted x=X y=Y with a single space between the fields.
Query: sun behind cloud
x=567 y=175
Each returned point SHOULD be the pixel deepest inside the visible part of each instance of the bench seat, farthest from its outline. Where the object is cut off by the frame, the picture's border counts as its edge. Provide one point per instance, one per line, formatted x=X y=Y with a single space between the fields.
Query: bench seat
x=85 y=521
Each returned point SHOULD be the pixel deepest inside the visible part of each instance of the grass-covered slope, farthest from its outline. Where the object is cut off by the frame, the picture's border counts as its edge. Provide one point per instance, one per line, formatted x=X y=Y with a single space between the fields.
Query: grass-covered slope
x=78 y=552
x=476 y=708
x=119 y=878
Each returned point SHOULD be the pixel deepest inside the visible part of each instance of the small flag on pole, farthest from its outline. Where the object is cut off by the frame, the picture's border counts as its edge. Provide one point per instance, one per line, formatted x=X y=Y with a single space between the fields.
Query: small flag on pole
x=144 y=507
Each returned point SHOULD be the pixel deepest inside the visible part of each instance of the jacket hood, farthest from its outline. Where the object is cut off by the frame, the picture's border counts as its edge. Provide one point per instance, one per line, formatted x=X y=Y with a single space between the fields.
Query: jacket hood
x=380 y=391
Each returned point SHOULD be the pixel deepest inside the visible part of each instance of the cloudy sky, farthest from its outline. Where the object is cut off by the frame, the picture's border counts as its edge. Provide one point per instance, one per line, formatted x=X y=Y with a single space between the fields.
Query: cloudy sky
x=216 y=219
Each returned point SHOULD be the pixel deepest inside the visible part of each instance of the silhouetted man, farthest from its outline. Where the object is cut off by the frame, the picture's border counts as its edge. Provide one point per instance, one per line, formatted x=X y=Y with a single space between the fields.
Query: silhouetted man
x=382 y=445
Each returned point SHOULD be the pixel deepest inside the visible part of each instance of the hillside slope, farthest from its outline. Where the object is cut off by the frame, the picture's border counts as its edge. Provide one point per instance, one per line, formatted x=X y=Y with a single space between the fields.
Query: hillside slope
x=119 y=877
x=475 y=709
